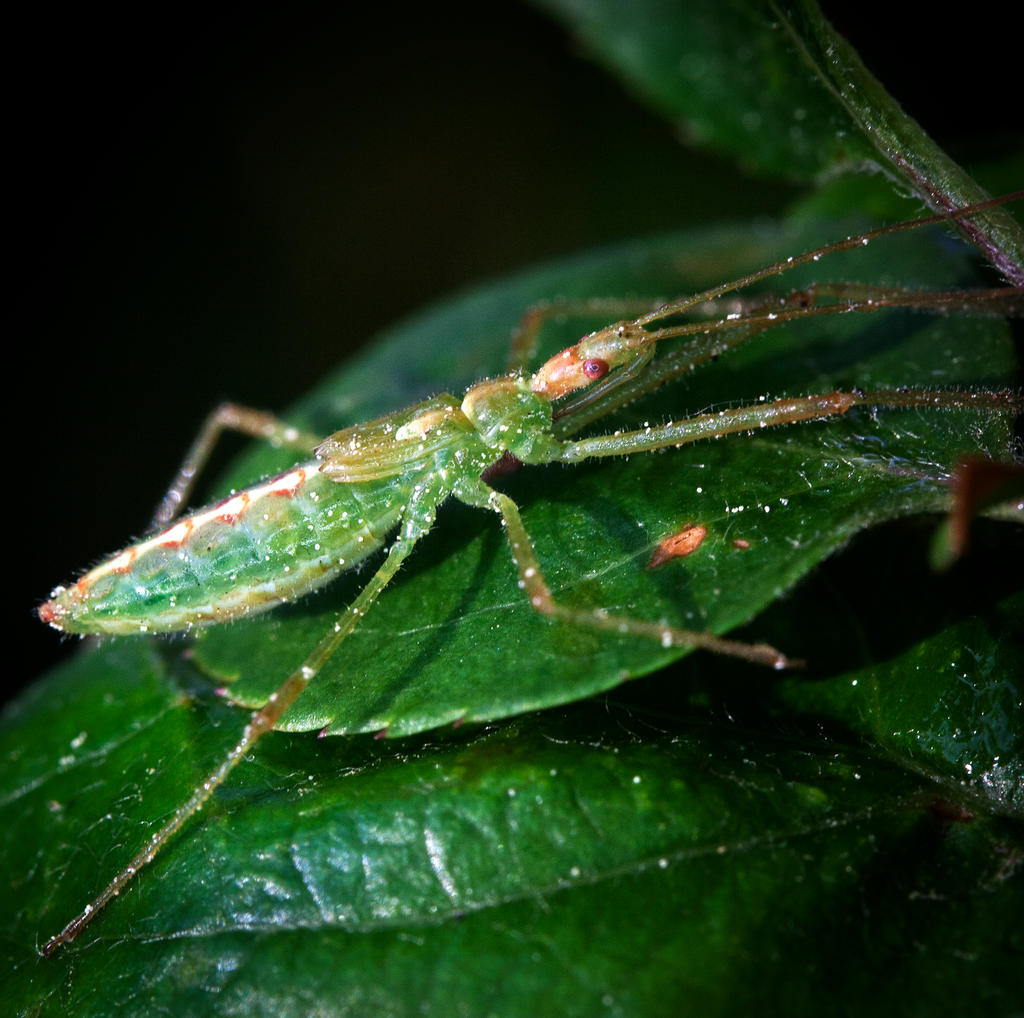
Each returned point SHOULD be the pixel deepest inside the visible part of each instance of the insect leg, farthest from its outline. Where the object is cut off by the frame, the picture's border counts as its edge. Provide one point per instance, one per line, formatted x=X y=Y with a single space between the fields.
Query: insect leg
x=261 y=722
x=1007 y=301
x=954 y=217
x=531 y=579
x=783 y=411
x=227 y=417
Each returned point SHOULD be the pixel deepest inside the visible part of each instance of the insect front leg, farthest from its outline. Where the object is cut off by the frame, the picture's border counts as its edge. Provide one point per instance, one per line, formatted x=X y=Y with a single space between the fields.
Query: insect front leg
x=784 y=411
x=226 y=417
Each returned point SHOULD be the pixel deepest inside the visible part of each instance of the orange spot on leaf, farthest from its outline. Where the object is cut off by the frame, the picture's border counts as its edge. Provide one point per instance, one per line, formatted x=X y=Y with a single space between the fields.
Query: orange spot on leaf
x=679 y=545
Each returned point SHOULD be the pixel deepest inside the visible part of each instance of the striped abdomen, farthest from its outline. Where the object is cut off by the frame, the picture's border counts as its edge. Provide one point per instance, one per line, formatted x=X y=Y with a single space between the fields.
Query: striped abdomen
x=260 y=547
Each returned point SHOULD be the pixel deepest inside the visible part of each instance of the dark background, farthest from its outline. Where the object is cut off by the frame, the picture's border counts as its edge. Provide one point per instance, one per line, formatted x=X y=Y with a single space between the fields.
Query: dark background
x=224 y=205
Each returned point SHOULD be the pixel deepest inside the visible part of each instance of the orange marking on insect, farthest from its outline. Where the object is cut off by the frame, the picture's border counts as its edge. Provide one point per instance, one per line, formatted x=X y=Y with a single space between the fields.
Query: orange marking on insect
x=679 y=545
x=288 y=484
x=231 y=509
x=559 y=376
x=742 y=543
x=122 y=563
x=49 y=613
x=177 y=535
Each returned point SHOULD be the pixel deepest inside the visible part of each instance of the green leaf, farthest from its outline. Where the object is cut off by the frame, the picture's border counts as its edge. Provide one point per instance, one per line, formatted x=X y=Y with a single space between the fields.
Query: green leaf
x=624 y=857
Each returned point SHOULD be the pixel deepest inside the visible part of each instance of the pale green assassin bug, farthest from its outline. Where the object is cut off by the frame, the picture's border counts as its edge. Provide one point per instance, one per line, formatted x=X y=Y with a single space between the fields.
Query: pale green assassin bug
x=390 y=475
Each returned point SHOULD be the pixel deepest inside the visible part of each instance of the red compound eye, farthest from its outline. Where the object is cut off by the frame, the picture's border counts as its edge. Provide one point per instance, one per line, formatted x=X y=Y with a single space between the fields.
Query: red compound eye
x=595 y=369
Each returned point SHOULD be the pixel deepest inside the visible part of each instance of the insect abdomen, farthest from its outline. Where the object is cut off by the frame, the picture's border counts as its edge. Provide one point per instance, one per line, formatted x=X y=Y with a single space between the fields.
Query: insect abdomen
x=260 y=547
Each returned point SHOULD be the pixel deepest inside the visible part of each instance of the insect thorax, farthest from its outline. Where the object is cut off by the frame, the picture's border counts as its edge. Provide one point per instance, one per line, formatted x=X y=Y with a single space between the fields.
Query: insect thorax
x=510 y=417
